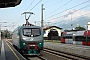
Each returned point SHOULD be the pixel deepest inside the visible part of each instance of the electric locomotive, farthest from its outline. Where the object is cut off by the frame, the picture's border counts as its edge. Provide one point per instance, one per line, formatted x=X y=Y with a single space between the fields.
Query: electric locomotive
x=28 y=39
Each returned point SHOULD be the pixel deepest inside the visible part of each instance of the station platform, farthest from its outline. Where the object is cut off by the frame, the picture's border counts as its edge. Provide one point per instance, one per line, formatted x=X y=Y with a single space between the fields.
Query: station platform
x=69 y=48
x=7 y=52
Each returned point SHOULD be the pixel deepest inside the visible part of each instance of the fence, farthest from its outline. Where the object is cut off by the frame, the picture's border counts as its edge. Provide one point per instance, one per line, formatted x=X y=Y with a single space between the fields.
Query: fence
x=52 y=38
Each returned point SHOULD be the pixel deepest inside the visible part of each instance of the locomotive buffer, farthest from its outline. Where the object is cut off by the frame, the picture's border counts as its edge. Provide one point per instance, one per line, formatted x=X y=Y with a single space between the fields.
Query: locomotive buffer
x=8 y=52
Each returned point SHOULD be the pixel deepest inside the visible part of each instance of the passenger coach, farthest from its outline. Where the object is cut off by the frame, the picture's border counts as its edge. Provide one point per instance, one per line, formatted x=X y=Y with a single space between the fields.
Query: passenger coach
x=76 y=37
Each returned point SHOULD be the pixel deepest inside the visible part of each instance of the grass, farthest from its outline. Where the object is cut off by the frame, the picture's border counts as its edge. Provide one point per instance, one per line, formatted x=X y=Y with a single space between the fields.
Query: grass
x=55 y=41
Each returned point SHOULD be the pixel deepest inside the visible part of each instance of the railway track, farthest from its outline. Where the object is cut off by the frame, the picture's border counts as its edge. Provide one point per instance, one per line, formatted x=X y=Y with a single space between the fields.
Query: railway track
x=28 y=57
x=35 y=58
x=66 y=56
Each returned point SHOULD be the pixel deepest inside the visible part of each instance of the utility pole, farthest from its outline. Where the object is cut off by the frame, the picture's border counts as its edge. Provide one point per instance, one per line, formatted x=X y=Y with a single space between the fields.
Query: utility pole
x=42 y=15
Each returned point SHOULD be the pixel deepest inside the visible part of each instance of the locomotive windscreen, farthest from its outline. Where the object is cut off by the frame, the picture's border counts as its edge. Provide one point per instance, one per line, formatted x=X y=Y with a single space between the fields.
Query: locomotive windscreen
x=29 y=32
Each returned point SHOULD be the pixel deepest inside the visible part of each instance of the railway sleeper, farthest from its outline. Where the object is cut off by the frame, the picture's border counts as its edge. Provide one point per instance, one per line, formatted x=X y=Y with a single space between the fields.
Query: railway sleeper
x=67 y=55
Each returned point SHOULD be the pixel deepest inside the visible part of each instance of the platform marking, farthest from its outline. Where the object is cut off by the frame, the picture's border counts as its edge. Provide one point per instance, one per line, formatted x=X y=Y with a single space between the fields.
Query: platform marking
x=16 y=50
x=2 y=51
x=13 y=51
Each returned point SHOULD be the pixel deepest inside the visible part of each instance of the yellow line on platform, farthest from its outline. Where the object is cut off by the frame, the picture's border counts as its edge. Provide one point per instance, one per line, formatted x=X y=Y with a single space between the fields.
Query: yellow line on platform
x=13 y=51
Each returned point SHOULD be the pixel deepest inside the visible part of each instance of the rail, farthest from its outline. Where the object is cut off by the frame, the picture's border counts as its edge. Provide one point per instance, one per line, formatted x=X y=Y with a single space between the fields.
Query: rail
x=66 y=56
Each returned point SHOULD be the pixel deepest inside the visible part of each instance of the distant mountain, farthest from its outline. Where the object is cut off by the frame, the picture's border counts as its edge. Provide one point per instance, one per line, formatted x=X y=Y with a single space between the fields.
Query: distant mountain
x=82 y=21
x=72 y=18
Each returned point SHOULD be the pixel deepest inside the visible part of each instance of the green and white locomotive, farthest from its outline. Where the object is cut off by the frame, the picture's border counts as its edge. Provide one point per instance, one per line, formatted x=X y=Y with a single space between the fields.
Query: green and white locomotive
x=28 y=39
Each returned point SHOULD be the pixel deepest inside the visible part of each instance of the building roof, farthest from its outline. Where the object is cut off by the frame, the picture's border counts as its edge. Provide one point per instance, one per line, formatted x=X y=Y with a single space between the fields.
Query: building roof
x=48 y=27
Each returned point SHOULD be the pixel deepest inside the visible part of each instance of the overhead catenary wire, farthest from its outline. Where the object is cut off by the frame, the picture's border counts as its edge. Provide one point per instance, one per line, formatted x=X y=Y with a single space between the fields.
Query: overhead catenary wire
x=73 y=11
x=76 y=17
x=16 y=22
x=49 y=6
x=25 y=10
x=59 y=7
x=72 y=18
x=35 y=5
x=20 y=18
x=46 y=1
x=68 y=9
x=53 y=4
x=32 y=9
x=29 y=5
x=39 y=7
x=75 y=6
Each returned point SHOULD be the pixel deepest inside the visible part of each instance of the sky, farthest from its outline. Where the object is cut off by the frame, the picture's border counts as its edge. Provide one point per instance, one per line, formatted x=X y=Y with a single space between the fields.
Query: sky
x=56 y=12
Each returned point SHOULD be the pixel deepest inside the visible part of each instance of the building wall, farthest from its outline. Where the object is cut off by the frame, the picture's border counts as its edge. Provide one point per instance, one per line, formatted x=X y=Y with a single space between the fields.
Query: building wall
x=89 y=25
x=48 y=30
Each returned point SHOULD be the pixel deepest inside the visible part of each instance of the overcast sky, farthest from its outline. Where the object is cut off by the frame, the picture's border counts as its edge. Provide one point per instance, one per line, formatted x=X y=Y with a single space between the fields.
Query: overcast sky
x=55 y=11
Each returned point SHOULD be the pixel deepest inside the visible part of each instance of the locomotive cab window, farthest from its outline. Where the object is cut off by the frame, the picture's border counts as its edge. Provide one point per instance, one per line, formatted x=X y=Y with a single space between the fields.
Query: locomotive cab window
x=26 y=32
x=29 y=32
x=36 y=32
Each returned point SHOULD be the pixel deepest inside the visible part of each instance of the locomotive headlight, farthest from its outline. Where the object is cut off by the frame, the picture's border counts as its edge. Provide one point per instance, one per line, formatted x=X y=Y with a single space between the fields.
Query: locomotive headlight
x=23 y=43
x=40 y=43
x=24 y=38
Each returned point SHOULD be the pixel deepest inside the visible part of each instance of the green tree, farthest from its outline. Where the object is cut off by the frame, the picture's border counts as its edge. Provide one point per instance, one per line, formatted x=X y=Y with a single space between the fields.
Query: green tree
x=6 y=34
x=80 y=28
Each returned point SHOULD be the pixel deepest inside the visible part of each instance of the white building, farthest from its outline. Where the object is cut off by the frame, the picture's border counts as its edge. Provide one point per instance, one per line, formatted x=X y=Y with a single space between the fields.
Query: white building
x=89 y=25
x=47 y=30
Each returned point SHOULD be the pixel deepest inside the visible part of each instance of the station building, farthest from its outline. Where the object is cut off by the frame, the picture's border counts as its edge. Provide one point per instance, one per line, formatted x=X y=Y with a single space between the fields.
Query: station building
x=52 y=32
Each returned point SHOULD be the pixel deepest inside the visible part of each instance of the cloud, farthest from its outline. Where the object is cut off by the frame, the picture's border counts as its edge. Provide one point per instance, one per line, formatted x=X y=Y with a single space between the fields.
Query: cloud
x=80 y=17
x=71 y=15
x=52 y=20
x=74 y=14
